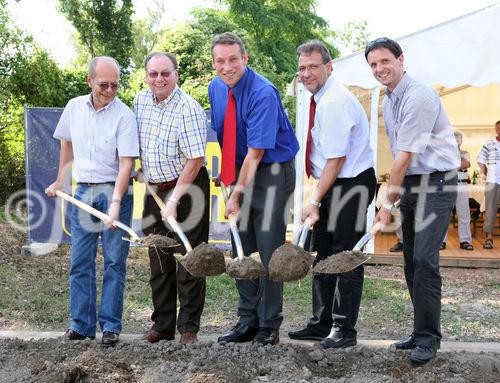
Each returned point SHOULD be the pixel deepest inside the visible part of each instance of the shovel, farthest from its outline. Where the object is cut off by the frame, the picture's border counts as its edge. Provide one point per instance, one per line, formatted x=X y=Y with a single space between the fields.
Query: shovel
x=204 y=260
x=99 y=214
x=242 y=267
x=290 y=262
x=350 y=259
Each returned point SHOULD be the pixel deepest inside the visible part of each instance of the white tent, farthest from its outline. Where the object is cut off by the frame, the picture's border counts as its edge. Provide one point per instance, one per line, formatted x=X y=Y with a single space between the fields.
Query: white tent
x=465 y=50
x=457 y=54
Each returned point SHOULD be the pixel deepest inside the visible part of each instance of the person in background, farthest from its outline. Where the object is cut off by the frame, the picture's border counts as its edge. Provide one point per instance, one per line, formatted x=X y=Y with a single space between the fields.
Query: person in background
x=423 y=177
x=173 y=136
x=488 y=160
x=462 y=204
x=339 y=156
x=258 y=150
x=98 y=132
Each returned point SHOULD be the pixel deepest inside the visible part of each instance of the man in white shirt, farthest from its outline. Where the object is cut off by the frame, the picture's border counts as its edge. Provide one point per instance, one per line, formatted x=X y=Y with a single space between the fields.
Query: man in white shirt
x=339 y=156
x=98 y=132
x=489 y=162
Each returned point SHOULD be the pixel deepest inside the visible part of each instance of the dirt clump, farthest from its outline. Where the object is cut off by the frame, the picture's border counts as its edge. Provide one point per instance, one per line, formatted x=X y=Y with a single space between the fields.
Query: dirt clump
x=245 y=268
x=289 y=263
x=205 y=260
x=341 y=262
x=157 y=240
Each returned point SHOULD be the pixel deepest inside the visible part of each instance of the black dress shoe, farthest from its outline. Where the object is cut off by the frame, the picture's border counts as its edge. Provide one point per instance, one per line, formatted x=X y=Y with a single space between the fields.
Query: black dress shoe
x=337 y=339
x=73 y=335
x=109 y=339
x=405 y=344
x=422 y=354
x=267 y=336
x=239 y=334
x=306 y=334
x=398 y=247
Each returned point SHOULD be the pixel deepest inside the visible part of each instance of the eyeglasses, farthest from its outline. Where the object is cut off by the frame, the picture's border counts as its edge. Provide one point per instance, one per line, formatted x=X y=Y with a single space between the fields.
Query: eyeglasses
x=310 y=68
x=164 y=74
x=106 y=85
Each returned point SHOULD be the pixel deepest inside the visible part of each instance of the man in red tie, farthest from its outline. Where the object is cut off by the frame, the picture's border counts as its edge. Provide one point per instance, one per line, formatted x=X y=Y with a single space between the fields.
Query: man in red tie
x=339 y=156
x=258 y=149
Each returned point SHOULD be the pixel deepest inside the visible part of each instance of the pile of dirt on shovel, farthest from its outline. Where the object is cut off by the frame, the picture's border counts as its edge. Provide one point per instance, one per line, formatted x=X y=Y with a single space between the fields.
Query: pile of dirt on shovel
x=340 y=262
x=289 y=263
x=157 y=240
x=53 y=360
x=205 y=261
x=245 y=268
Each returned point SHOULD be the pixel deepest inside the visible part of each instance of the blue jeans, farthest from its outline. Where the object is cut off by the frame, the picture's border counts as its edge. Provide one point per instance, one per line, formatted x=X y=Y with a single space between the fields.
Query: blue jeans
x=85 y=231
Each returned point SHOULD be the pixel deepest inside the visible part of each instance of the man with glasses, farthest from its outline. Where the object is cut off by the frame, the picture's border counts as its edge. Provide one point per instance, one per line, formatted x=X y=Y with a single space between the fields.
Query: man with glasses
x=173 y=135
x=258 y=147
x=339 y=156
x=98 y=132
x=424 y=177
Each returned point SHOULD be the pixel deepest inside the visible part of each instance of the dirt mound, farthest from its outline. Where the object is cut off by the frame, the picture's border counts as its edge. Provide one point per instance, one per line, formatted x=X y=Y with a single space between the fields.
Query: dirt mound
x=341 y=262
x=245 y=268
x=57 y=361
x=204 y=261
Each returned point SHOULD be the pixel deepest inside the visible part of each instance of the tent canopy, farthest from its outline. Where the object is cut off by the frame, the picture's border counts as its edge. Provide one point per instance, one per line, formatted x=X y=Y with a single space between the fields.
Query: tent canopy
x=464 y=50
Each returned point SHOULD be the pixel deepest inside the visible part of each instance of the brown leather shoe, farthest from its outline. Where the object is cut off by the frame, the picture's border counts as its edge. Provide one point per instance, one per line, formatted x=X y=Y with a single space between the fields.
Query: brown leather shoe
x=188 y=337
x=153 y=336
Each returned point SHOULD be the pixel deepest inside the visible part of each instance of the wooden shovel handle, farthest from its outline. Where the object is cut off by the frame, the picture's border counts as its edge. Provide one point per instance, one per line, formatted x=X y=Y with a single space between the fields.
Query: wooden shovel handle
x=171 y=220
x=97 y=213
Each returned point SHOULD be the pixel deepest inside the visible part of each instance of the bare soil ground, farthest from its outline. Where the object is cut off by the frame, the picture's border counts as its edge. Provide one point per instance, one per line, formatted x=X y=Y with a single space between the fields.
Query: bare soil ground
x=471 y=312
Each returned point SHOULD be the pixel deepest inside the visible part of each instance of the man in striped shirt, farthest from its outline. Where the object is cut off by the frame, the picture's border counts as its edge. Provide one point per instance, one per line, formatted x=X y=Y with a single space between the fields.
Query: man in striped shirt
x=172 y=136
x=489 y=162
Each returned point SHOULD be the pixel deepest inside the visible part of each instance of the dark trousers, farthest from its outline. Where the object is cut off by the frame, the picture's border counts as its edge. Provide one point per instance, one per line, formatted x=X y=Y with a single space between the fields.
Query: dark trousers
x=168 y=278
x=425 y=220
x=337 y=297
x=262 y=226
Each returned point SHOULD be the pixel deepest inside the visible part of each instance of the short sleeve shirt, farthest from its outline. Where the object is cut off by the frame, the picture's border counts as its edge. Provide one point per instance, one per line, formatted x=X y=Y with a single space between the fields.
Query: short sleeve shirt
x=340 y=129
x=99 y=137
x=416 y=122
x=170 y=132
x=260 y=117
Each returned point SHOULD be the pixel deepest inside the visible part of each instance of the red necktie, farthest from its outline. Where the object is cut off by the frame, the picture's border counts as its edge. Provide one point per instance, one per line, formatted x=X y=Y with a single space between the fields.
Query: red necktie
x=228 y=170
x=312 y=111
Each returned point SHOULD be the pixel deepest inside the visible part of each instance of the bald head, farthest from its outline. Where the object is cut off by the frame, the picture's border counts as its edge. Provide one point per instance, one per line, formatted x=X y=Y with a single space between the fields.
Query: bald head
x=109 y=63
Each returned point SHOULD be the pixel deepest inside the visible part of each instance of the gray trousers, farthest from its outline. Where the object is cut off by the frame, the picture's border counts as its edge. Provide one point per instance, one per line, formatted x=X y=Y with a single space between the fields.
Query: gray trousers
x=425 y=221
x=262 y=225
x=492 y=196
x=463 y=213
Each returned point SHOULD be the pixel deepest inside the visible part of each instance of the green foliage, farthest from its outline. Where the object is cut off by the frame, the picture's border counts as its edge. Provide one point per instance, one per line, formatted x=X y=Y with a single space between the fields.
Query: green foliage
x=28 y=75
x=278 y=27
x=104 y=27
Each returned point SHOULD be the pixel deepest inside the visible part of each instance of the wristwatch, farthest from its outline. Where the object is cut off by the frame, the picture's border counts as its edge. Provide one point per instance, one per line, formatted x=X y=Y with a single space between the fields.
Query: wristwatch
x=388 y=206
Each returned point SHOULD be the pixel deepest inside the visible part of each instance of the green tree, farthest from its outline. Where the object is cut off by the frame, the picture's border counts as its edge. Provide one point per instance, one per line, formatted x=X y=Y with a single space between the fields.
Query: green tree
x=278 y=26
x=104 y=27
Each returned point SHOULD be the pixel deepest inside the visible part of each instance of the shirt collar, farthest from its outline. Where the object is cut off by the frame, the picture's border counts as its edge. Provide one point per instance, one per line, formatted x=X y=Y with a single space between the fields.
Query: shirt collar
x=329 y=81
x=91 y=105
x=162 y=103
x=400 y=88
x=240 y=85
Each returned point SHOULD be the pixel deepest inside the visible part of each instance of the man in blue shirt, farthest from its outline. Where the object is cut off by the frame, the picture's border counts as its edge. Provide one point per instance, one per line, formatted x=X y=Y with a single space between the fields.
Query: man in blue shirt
x=264 y=181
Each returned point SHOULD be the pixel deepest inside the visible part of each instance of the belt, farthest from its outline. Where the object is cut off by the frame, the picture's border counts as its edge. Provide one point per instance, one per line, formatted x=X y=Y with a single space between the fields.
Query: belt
x=166 y=185
x=95 y=183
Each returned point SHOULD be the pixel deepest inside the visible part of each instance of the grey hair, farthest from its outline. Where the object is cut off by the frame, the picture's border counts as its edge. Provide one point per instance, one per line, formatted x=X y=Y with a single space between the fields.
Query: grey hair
x=170 y=56
x=93 y=64
x=228 y=38
x=314 y=46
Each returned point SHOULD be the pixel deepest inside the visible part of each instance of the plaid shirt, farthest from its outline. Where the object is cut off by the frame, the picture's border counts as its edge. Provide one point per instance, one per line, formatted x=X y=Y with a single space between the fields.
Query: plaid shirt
x=490 y=156
x=170 y=133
